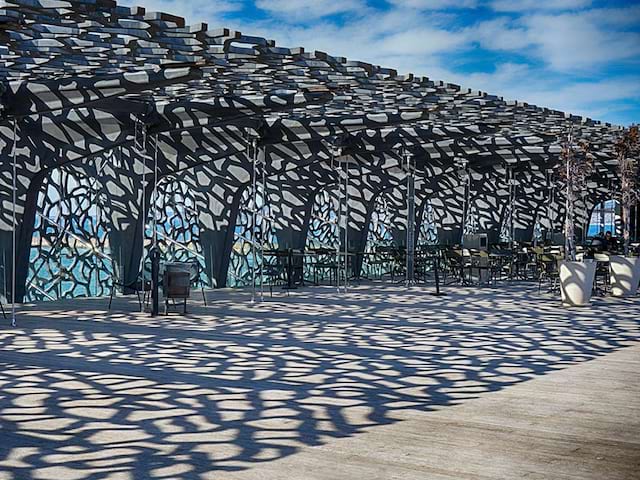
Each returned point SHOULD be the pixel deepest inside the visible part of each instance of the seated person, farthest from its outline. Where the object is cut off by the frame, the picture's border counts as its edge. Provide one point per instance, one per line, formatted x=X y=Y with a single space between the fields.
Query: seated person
x=597 y=243
x=610 y=243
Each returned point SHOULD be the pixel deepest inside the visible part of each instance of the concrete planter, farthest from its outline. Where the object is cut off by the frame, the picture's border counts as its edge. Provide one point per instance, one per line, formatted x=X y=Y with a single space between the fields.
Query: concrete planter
x=576 y=282
x=625 y=275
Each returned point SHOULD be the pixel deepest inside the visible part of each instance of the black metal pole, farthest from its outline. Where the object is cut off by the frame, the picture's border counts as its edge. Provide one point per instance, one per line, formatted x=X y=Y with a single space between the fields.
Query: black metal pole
x=154 y=254
x=436 y=270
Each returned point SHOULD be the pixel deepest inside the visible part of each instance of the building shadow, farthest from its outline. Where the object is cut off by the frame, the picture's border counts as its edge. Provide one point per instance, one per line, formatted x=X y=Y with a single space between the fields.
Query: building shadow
x=88 y=394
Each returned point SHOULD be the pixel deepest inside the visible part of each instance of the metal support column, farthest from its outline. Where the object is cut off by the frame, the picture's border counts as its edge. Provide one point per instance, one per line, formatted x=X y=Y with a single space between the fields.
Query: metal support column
x=154 y=251
x=346 y=224
x=550 y=201
x=14 y=224
x=336 y=154
x=464 y=175
x=140 y=146
x=263 y=221
x=254 y=146
x=512 y=205
x=411 y=218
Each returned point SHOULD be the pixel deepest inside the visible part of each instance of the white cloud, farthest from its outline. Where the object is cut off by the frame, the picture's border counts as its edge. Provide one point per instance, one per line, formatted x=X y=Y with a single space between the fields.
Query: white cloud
x=434 y=4
x=420 y=41
x=529 y=5
x=566 y=42
x=379 y=35
x=577 y=41
x=299 y=10
x=193 y=11
x=500 y=34
x=598 y=99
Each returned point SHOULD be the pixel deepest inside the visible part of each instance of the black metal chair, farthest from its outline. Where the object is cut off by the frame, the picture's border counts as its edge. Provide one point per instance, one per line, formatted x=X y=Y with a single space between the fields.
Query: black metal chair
x=602 y=280
x=138 y=285
x=489 y=268
x=548 y=271
x=455 y=265
x=176 y=284
x=196 y=280
x=276 y=275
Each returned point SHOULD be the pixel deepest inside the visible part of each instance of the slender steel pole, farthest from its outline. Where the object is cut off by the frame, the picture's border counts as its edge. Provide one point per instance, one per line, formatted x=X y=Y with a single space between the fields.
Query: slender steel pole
x=154 y=253
x=4 y=272
x=13 y=224
x=550 y=202
x=465 y=204
x=143 y=214
x=96 y=203
x=338 y=217
x=410 y=234
x=155 y=192
x=340 y=220
x=511 y=207
x=346 y=223
x=253 y=223
x=263 y=222
x=61 y=227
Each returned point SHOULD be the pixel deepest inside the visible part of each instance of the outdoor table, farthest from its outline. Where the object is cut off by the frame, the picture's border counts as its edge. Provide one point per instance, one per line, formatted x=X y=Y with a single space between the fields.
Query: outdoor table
x=287 y=255
x=381 y=256
x=322 y=264
x=476 y=261
x=503 y=258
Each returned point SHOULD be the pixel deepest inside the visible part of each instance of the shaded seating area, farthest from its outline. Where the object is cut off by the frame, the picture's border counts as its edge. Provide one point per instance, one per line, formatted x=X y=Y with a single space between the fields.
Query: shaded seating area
x=182 y=161
x=231 y=258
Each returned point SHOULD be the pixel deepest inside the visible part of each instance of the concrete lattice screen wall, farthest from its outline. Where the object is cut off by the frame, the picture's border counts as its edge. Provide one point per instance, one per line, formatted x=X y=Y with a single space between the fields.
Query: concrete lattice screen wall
x=96 y=105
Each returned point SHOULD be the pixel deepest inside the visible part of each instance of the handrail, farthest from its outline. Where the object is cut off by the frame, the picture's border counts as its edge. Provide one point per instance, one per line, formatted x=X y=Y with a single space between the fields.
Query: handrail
x=249 y=241
x=78 y=238
x=178 y=244
x=40 y=290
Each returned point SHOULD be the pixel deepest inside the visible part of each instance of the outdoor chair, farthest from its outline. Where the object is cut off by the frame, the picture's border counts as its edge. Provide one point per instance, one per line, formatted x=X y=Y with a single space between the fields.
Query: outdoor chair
x=398 y=263
x=196 y=280
x=379 y=262
x=320 y=267
x=548 y=271
x=297 y=267
x=454 y=265
x=531 y=267
x=488 y=268
x=602 y=280
x=176 y=285
x=138 y=285
x=275 y=274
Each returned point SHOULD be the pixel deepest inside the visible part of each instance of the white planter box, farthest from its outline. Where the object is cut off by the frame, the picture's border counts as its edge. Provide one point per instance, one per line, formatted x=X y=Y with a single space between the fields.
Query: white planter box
x=625 y=275
x=576 y=282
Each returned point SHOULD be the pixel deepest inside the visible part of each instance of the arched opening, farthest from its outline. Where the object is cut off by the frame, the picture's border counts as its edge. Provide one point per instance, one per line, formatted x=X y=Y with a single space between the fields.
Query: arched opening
x=249 y=240
x=323 y=226
x=605 y=217
x=70 y=254
x=176 y=226
x=428 y=228
x=381 y=225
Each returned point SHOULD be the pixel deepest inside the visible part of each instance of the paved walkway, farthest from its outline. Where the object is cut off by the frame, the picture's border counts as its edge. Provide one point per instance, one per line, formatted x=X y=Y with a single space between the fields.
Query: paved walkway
x=382 y=383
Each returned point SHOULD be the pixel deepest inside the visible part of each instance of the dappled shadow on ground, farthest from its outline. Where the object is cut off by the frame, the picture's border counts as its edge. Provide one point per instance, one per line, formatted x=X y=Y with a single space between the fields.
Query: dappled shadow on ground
x=87 y=394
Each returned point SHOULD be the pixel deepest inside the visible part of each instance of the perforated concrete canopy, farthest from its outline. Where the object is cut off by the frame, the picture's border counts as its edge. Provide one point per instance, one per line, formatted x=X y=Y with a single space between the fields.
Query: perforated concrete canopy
x=93 y=87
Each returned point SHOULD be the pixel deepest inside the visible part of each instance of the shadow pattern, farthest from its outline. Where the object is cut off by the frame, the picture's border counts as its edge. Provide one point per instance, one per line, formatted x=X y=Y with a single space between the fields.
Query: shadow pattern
x=87 y=394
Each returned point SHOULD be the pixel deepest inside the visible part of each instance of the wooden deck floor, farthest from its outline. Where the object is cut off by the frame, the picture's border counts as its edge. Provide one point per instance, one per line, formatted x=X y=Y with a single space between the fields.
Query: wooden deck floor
x=382 y=383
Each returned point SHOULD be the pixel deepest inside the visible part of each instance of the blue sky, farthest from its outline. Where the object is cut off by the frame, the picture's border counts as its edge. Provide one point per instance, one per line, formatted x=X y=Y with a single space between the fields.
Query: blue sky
x=580 y=56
